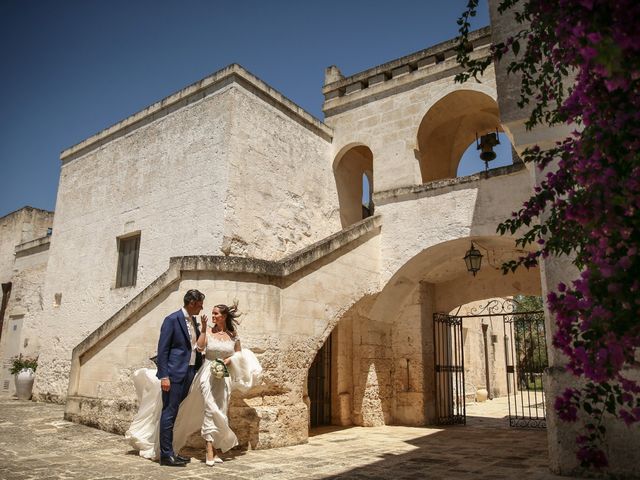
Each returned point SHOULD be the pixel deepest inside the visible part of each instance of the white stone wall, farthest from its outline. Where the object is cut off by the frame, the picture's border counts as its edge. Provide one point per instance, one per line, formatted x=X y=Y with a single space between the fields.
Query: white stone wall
x=18 y=227
x=428 y=218
x=20 y=332
x=281 y=194
x=166 y=180
x=234 y=173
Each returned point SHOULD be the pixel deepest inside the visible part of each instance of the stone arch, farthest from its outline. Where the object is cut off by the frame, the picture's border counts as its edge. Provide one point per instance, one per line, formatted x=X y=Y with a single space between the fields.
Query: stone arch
x=350 y=164
x=442 y=265
x=360 y=382
x=436 y=280
x=449 y=126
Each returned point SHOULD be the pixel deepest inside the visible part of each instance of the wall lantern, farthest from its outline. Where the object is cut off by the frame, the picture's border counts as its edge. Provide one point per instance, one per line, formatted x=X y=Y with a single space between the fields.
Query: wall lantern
x=485 y=144
x=473 y=260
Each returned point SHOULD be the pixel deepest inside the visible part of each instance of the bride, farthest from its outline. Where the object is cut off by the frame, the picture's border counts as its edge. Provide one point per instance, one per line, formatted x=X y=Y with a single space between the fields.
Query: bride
x=226 y=367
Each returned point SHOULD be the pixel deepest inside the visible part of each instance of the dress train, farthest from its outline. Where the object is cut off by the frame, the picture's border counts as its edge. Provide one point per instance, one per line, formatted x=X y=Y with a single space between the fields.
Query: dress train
x=205 y=394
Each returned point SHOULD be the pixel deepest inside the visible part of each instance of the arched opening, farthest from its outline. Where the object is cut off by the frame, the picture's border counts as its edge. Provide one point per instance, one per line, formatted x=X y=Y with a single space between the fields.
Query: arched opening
x=378 y=366
x=367 y=194
x=434 y=282
x=471 y=163
x=351 y=169
x=449 y=128
x=319 y=389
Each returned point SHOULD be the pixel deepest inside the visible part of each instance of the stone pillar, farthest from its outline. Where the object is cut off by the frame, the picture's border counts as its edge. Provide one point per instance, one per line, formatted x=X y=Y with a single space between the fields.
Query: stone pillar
x=408 y=340
x=427 y=301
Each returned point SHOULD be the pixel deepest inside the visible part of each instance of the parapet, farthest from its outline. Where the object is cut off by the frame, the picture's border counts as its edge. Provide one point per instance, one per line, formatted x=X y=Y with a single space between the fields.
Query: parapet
x=341 y=93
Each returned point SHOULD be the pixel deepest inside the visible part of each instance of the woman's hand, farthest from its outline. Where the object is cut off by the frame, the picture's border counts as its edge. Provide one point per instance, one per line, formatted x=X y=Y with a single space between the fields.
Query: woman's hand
x=203 y=322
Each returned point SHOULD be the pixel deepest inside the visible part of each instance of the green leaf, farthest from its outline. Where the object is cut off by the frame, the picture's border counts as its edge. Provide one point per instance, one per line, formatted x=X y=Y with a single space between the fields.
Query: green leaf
x=515 y=47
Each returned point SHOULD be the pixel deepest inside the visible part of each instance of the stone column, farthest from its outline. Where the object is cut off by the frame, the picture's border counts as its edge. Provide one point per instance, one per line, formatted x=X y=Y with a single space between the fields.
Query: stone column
x=427 y=301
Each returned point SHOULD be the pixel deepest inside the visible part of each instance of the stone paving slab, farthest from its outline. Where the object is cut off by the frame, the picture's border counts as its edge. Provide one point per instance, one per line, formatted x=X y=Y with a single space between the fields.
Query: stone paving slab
x=37 y=444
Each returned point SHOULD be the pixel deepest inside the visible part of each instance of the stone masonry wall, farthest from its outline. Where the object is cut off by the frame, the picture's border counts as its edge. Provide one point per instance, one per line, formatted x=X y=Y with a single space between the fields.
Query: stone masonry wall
x=281 y=194
x=166 y=180
x=18 y=227
x=20 y=334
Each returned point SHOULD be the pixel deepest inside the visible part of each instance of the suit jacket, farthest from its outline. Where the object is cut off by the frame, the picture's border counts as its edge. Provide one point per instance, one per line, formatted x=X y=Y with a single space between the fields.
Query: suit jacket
x=174 y=348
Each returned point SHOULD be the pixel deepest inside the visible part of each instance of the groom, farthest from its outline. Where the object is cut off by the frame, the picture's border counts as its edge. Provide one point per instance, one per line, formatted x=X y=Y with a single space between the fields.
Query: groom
x=178 y=360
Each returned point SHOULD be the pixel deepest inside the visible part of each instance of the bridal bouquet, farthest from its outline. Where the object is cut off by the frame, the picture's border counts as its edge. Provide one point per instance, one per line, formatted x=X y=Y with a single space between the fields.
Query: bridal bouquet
x=219 y=369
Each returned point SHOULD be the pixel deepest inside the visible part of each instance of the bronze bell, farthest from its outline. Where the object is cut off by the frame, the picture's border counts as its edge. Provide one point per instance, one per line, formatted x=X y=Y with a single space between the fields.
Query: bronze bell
x=486 y=144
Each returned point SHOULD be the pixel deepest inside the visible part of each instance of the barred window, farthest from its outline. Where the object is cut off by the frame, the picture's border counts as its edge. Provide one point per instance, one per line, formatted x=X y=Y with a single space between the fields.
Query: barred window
x=128 y=250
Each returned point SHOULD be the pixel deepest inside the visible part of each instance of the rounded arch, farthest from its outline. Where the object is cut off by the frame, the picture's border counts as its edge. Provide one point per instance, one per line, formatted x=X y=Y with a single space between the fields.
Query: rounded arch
x=449 y=126
x=442 y=266
x=352 y=162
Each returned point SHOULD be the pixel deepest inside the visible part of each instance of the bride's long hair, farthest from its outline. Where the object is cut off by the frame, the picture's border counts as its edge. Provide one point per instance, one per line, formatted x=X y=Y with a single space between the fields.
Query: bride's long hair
x=231 y=315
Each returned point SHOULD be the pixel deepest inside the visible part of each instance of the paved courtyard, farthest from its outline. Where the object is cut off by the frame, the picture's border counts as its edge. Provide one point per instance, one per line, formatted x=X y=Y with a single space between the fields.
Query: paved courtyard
x=36 y=443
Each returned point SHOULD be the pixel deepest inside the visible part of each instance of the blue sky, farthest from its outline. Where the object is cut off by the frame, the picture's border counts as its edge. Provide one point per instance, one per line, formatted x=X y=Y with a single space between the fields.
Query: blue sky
x=71 y=68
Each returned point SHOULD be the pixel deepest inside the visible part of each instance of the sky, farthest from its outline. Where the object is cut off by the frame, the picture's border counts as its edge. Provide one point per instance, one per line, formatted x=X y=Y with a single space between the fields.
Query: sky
x=71 y=68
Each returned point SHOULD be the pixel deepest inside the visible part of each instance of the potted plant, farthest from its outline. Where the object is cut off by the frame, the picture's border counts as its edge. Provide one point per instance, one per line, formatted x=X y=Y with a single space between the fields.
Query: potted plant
x=23 y=369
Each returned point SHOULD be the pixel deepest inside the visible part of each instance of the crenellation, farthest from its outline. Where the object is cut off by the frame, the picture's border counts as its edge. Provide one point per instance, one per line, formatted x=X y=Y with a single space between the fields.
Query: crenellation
x=423 y=62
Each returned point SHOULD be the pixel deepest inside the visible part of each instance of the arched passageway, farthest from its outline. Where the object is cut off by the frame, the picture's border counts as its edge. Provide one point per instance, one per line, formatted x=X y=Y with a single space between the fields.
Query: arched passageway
x=382 y=349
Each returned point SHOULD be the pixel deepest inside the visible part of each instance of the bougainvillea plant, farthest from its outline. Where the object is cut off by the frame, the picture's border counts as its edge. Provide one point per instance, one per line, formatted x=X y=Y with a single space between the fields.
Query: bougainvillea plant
x=579 y=65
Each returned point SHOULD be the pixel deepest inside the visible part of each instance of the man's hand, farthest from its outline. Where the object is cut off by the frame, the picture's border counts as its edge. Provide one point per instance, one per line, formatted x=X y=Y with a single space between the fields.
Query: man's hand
x=165 y=384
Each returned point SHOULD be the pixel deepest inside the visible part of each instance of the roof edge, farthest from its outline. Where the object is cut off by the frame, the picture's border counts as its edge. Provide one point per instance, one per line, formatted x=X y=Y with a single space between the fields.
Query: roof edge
x=232 y=73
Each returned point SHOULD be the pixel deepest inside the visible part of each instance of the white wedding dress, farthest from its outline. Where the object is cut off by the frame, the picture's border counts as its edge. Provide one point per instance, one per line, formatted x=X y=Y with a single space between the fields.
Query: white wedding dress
x=205 y=407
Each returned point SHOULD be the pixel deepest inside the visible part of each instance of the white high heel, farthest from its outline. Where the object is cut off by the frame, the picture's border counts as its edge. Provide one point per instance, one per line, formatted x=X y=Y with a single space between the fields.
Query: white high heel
x=211 y=463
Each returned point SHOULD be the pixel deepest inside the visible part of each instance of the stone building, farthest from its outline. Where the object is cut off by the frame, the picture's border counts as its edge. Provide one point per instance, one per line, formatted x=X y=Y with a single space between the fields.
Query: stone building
x=229 y=187
x=24 y=245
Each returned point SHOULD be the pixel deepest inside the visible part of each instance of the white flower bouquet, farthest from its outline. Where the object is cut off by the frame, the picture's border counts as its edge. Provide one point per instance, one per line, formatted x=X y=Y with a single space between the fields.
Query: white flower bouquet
x=219 y=369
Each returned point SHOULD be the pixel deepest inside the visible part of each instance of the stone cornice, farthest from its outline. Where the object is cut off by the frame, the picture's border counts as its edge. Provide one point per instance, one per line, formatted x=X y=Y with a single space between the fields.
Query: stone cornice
x=233 y=73
x=31 y=246
x=412 y=192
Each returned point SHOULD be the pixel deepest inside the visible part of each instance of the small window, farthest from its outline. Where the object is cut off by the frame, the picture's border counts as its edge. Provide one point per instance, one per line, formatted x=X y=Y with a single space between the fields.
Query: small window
x=128 y=250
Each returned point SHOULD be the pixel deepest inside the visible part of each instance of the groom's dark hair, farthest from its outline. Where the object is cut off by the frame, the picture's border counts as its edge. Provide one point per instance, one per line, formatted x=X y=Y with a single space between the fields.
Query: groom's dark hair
x=193 y=296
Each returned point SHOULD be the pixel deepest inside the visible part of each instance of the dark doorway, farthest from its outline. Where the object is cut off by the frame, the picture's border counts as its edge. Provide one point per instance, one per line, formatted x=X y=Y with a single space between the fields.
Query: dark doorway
x=319 y=387
x=6 y=292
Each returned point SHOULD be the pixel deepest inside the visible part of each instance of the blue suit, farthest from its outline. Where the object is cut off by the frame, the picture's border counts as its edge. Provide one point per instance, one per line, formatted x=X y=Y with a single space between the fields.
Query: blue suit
x=174 y=353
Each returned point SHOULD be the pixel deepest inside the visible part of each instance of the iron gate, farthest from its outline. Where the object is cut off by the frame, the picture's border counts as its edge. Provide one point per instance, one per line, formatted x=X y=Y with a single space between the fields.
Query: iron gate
x=449 y=368
x=525 y=358
x=319 y=387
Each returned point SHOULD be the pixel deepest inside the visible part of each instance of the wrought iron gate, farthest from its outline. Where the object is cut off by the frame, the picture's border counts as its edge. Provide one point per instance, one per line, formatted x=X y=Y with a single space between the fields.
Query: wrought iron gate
x=449 y=368
x=319 y=387
x=525 y=357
